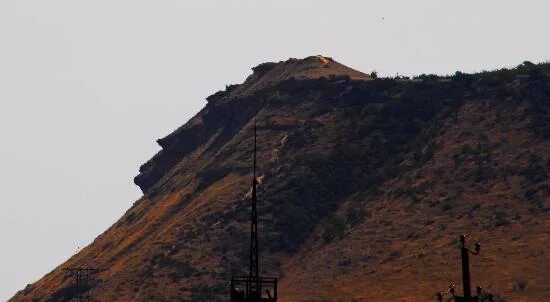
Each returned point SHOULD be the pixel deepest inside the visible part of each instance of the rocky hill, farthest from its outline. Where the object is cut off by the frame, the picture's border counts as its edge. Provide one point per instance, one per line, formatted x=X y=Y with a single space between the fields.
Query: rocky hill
x=365 y=185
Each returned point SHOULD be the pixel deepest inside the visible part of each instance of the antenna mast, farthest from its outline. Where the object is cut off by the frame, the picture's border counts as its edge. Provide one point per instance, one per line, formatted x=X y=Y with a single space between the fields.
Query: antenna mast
x=254 y=288
x=253 y=273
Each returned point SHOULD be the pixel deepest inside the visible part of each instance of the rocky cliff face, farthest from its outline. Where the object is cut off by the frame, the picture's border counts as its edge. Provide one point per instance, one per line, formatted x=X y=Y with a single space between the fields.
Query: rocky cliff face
x=225 y=109
x=365 y=186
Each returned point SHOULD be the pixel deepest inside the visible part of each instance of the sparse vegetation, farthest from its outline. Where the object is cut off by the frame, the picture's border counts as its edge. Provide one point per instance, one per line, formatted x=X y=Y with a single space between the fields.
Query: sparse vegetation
x=535 y=170
x=410 y=153
x=179 y=269
x=521 y=285
x=501 y=219
x=207 y=293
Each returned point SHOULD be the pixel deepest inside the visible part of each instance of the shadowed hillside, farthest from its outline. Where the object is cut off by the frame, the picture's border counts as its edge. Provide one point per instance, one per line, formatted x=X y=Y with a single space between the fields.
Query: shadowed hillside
x=365 y=185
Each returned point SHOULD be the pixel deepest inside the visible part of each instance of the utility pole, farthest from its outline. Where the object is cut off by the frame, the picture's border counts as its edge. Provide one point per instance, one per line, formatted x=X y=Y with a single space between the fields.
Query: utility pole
x=465 y=254
x=466 y=281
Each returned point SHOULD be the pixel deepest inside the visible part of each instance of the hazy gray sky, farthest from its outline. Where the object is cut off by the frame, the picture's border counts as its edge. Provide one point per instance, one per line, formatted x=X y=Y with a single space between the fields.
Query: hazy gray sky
x=86 y=87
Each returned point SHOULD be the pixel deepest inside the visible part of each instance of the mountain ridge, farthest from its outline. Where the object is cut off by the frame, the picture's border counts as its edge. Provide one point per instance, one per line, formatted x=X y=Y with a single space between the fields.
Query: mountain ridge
x=264 y=75
x=366 y=183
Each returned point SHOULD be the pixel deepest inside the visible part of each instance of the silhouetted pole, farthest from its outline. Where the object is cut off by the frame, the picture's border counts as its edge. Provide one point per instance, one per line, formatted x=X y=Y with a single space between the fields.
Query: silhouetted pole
x=465 y=269
x=254 y=271
x=466 y=281
x=253 y=284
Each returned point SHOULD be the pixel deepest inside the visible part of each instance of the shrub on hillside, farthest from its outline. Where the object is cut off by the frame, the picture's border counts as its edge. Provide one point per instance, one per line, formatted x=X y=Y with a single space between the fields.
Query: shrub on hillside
x=334 y=228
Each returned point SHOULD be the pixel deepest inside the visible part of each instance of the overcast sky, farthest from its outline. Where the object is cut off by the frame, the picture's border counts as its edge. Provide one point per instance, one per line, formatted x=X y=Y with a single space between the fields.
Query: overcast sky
x=86 y=87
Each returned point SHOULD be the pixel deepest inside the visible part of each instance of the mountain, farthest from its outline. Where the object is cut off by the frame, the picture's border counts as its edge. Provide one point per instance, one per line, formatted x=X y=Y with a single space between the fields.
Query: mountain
x=366 y=184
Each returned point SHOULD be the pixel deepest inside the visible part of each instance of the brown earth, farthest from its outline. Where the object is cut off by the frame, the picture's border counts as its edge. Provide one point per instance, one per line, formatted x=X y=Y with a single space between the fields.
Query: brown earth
x=366 y=185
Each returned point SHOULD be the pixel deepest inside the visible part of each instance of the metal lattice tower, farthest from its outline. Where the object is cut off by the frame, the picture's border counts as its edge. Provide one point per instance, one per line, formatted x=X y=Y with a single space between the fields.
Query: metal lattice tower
x=253 y=273
x=253 y=287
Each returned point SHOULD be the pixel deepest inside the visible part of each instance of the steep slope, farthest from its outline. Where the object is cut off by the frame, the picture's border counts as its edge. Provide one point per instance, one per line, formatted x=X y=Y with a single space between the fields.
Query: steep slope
x=224 y=107
x=365 y=186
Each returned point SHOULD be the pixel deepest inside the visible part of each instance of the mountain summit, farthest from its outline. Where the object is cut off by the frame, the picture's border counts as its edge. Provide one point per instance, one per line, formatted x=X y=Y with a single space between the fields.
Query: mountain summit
x=314 y=67
x=364 y=187
x=264 y=76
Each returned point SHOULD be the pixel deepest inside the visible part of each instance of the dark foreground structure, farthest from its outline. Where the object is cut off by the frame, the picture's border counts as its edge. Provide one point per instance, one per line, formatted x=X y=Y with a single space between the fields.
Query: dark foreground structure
x=466 y=281
x=253 y=288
